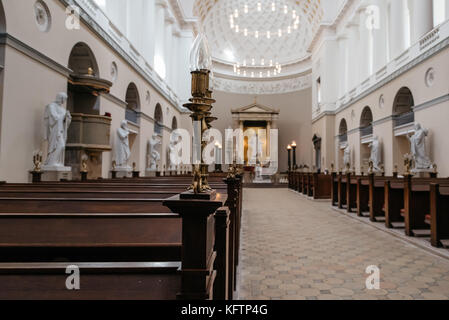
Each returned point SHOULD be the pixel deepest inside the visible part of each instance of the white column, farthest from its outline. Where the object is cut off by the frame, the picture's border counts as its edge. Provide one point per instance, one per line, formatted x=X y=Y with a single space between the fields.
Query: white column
x=399 y=27
x=421 y=20
x=134 y=22
x=380 y=39
x=343 y=62
x=168 y=43
x=148 y=32
x=116 y=11
x=159 y=49
x=365 y=45
x=447 y=9
x=353 y=65
x=174 y=60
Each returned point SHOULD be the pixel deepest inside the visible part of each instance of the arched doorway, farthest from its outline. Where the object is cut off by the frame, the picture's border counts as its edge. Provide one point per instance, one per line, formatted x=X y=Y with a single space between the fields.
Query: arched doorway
x=403 y=120
x=133 y=103
x=366 y=135
x=158 y=120
x=342 y=140
x=81 y=99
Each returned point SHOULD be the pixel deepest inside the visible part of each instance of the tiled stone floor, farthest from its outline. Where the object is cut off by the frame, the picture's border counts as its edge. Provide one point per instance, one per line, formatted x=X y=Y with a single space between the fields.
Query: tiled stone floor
x=296 y=249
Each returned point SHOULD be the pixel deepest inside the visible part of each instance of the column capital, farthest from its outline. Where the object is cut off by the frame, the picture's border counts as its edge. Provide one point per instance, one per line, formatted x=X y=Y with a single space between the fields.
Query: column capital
x=161 y=3
x=169 y=19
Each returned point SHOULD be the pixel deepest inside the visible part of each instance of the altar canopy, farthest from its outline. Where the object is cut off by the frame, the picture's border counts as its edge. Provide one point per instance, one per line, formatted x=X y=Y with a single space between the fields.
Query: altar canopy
x=261 y=119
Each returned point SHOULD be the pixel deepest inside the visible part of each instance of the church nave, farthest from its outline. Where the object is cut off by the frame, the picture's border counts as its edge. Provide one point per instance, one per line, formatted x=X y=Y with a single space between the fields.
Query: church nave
x=298 y=249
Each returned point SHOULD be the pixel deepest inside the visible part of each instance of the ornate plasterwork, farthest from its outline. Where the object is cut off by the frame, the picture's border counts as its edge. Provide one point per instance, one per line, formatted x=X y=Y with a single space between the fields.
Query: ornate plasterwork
x=228 y=45
x=262 y=87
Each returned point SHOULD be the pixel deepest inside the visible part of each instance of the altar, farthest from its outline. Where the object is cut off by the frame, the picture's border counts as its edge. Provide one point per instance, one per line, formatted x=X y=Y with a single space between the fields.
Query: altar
x=257 y=156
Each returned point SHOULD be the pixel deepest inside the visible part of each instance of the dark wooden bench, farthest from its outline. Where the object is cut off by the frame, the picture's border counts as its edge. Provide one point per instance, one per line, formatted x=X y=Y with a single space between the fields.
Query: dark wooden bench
x=439 y=215
x=89 y=205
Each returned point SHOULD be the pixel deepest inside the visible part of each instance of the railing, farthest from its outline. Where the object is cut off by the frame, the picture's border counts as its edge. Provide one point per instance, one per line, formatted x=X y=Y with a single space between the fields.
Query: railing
x=132 y=116
x=404 y=119
x=343 y=137
x=366 y=131
x=158 y=128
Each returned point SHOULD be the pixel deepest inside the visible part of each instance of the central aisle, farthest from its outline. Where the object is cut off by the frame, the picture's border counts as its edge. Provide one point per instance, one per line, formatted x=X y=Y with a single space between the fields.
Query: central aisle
x=293 y=248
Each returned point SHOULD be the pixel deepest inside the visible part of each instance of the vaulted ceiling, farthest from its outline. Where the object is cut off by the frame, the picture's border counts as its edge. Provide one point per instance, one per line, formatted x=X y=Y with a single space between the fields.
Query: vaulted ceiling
x=258 y=33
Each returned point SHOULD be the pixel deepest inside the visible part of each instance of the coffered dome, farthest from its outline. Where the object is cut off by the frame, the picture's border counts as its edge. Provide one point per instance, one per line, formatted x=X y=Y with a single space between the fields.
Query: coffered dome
x=258 y=37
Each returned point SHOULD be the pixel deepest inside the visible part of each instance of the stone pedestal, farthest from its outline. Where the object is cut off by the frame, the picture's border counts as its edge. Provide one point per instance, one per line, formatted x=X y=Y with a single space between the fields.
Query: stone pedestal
x=150 y=172
x=423 y=173
x=123 y=172
x=56 y=173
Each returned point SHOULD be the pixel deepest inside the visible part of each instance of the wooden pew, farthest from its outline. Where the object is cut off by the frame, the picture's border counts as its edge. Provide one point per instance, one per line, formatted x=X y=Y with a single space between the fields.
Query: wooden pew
x=321 y=186
x=334 y=189
x=351 y=192
x=439 y=215
x=376 y=197
x=394 y=203
x=363 y=206
x=31 y=203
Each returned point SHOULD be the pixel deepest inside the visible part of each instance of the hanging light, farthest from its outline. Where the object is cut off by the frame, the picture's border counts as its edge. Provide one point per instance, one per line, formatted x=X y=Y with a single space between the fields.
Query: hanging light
x=280 y=33
x=289 y=29
x=256 y=34
x=260 y=74
x=244 y=73
x=262 y=61
x=294 y=14
x=245 y=32
x=273 y=6
x=259 y=6
x=236 y=13
x=252 y=74
x=271 y=62
x=245 y=8
x=244 y=62
x=274 y=72
x=253 y=62
x=268 y=34
x=237 y=29
x=285 y=9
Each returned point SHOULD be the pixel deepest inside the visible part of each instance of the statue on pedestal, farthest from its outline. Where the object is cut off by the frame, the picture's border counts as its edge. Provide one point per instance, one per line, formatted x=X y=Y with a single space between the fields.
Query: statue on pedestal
x=122 y=151
x=154 y=156
x=375 y=157
x=57 y=120
x=418 y=148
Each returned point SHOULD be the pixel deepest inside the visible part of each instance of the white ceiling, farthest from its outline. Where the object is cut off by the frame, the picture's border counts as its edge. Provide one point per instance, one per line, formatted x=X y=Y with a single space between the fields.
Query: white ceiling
x=229 y=46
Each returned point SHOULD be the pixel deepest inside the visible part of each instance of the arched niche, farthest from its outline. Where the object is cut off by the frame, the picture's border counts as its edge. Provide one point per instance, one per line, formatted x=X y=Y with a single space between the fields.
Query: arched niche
x=343 y=128
x=81 y=98
x=174 y=123
x=403 y=119
x=366 y=122
x=133 y=103
x=343 y=140
x=81 y=59
x=158 y=119
x=366 y=132
x=403 y=107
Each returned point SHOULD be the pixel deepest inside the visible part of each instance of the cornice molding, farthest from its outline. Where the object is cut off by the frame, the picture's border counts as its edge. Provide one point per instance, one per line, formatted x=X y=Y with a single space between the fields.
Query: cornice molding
x=263 y=87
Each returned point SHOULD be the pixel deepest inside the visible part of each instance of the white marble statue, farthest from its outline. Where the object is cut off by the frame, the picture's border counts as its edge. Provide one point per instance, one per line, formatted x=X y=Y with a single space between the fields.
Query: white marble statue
x=154 y=155
x=418 y=148
x=173 y=154
x=375 y=157
x=122 y=151
x=347 y=157
x=57 y=120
